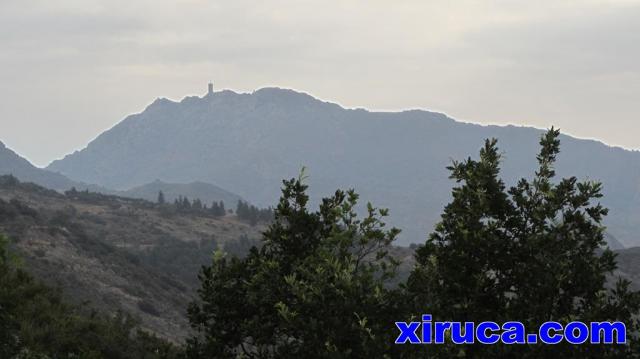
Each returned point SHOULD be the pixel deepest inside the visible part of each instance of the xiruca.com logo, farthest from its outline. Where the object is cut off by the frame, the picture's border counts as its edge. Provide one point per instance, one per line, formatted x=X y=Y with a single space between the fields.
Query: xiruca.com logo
x=428 y=332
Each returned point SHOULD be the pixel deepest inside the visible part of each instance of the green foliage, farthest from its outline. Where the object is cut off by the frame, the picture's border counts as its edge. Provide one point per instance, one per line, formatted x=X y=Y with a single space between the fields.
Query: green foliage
x=217 y=209
x=530 y=253
x=184 y=205
x=197 y=205
x=252 y=214
x=35 y=322
x=181 y=259
x=9 y=326
x=242 y=246
x=316 y=288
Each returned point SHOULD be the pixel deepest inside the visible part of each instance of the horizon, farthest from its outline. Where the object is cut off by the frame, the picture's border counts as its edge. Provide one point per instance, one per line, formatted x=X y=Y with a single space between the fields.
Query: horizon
x=72 y=70
x=215 y=90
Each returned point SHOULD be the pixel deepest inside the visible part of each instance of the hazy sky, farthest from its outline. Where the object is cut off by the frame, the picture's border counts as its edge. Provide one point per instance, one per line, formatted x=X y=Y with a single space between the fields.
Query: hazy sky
x=71 y=69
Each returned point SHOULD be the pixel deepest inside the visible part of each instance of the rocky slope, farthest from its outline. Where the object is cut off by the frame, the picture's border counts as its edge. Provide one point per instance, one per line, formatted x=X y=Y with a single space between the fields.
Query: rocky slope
x=116 y=253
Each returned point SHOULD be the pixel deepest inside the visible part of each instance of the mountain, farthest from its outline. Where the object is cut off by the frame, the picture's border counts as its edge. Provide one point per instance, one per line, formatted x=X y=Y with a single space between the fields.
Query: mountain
x=12 y=164
x=118 y=253
x=248 y=142
x=204 y=191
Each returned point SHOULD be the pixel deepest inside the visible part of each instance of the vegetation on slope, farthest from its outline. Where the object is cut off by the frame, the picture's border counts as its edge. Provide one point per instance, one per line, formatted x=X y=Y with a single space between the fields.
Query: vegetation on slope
x=36 y=322
x=117 y=253
x=319 y=286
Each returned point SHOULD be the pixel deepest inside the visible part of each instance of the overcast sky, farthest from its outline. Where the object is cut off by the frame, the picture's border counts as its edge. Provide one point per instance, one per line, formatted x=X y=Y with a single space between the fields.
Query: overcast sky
x=71 y=69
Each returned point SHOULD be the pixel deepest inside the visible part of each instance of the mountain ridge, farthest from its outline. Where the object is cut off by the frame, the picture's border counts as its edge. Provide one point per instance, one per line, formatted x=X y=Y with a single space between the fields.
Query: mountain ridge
x=248 y=142
x=13 y=164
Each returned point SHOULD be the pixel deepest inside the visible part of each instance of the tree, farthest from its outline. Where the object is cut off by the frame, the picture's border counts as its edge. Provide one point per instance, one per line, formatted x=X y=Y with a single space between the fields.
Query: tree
x=531 y=253
x=242 y=209
x=217 y=209
x=253 y=214
x=316 y=288
x=186 y=204
x=161 y=200
x=196 y=205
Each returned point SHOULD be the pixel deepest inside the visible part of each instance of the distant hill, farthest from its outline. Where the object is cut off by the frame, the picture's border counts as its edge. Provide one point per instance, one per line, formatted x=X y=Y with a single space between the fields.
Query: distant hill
x=246 y=143
x=12 y=163
x=204 y=191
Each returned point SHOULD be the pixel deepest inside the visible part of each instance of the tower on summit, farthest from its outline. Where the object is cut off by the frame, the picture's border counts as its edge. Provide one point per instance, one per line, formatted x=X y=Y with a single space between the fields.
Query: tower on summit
x=210 y=89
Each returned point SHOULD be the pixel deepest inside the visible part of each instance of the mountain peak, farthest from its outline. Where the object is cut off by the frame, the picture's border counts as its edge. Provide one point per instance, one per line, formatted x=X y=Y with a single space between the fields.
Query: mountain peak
x=159 y=103
x=274 y=90
x=13 y=164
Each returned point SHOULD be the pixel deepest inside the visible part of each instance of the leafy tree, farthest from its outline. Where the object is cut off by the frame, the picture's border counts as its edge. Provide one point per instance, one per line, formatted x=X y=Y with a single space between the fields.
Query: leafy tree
x=242 y=209
x=161 y=200
x=530 y=253
x=242 y=246
x=316 y=288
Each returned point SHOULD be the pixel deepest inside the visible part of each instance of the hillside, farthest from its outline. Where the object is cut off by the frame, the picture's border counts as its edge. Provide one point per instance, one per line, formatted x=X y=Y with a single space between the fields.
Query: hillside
x=116 y=253
x=246 y=143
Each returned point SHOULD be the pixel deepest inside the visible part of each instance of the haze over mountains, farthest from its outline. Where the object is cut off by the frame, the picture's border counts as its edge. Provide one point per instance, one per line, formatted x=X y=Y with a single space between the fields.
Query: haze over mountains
x=247 y=143
x=12 y=164
x=200 y=190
